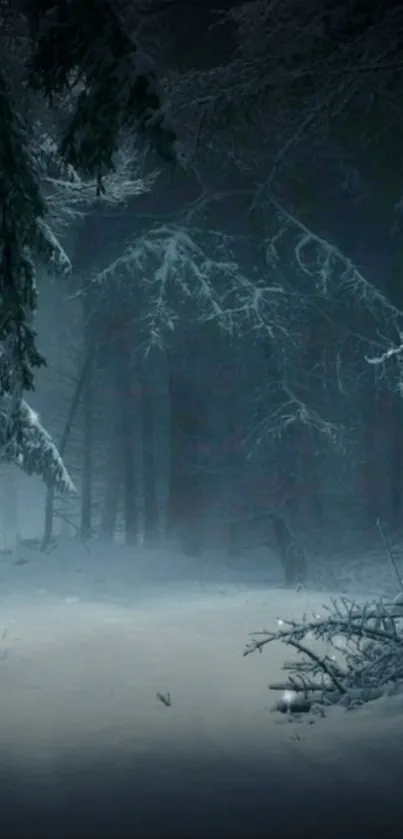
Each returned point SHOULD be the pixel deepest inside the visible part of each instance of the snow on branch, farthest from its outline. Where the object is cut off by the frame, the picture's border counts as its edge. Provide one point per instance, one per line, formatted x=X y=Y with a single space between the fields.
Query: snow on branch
x=30 y=446
x=311 y=54
x=392 y=352
x=69 y=195
x=349 y=656
x=320 y=259
x=86 y=49
x=49 y=249
x=21 y=207
x=381 y=361
x=288 y=412
x=177 y=269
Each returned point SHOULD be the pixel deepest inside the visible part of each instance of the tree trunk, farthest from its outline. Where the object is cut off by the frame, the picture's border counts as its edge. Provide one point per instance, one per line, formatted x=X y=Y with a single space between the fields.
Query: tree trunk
x=292 y=554
x=234 y=483
x=112 y=494
x=50 y=492
x=128 y=401
x=185 y=505
x=147 y=413
x=396 y=471
x=129 y=491
x=86 y=483
x=10 y=507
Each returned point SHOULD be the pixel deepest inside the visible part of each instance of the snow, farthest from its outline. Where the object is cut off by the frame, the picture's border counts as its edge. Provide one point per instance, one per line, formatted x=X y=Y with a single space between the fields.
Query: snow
x=89 y=639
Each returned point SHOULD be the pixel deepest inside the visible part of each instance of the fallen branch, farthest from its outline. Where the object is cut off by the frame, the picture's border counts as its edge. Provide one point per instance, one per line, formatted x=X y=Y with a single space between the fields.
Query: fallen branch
x=368 y=644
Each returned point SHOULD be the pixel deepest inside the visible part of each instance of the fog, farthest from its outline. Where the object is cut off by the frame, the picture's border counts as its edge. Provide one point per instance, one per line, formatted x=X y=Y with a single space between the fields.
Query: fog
x=201 y=419
x=90 y=637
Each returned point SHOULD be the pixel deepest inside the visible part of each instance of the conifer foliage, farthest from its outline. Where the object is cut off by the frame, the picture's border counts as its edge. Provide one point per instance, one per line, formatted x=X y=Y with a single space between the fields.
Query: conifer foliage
x=24 y=237
x=84 y=48
x=81 y=52
x=21 y=210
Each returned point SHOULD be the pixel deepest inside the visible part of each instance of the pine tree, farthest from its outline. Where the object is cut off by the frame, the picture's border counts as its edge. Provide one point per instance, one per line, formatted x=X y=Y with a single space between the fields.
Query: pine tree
x=24 y=236
x=84 y=49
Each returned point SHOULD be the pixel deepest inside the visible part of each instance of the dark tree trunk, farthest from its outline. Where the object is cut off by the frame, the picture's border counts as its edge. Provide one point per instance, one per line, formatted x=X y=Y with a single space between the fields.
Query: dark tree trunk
x=86 y=482
x=394 y=421
x=112 y=492
x=50 y=493
x=396 y=472
x=129 y=491
x=185 y=504
x=234 y=483
x=292 y=554
x=147 y=415
x=88 y=407
x=128 y=403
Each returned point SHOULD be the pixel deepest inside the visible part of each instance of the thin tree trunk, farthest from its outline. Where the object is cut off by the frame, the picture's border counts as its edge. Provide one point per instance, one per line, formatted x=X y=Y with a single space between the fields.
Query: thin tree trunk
x=292 y=554
x=10 y=508
x=185 y=504
x=88 y=407
x=396 y=470
x=174 y=516
x=71 y=415
x=147 y=415
x=128 y=400
x=113 y=487
x=86 y=484
x=129 y=490
x=234 y=481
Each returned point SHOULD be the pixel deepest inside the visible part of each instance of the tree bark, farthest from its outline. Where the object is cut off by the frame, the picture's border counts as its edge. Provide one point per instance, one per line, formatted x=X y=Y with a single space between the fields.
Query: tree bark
x=147 y=415
x=185 y=505
x=112 y=494
x=88 y=442
x=50 y=492
x=128 y=401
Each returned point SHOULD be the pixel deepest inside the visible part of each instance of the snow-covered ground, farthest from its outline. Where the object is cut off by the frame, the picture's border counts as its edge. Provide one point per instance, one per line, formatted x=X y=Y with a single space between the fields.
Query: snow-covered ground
x=88 y=640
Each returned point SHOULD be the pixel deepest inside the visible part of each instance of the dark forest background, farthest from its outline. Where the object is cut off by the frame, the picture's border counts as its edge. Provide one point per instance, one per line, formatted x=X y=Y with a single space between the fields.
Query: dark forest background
x=226 y=344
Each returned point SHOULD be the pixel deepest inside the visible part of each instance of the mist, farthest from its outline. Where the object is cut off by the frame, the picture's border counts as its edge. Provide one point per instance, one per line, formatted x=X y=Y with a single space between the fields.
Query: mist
x=201 y=495
x=90 y=641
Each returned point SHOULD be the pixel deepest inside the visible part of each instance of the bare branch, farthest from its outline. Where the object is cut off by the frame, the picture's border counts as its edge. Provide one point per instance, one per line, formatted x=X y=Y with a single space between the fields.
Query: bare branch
x=367 y=642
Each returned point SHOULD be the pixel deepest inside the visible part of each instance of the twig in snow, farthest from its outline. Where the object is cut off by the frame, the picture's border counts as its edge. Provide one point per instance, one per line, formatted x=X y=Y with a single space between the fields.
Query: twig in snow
x=165 y=698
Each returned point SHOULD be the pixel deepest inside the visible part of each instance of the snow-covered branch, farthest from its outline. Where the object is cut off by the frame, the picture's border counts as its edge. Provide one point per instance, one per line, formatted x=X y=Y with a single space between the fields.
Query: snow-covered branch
x=322 y=260
x=289 y=412
x=295 y=69
x=88 y=50
x=24 y=235
x=350 y=655
x=174 y=269
x=69 y=195
x=392 y=352
x=29 y=446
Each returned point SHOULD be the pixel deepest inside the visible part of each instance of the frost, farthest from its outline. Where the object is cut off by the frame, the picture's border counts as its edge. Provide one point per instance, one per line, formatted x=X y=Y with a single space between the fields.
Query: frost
x=352 y=655
x=51 y=250
x=30 y=446
x=88 y=52
x=180 y=271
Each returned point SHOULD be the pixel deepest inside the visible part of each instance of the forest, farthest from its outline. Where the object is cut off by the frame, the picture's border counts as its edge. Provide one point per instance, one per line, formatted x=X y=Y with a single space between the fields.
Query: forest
x=201 y=271
x=201 y=418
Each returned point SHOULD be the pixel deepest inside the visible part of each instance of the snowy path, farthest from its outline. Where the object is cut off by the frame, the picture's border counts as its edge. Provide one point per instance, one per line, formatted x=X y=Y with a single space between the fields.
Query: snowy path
x=87 y=749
